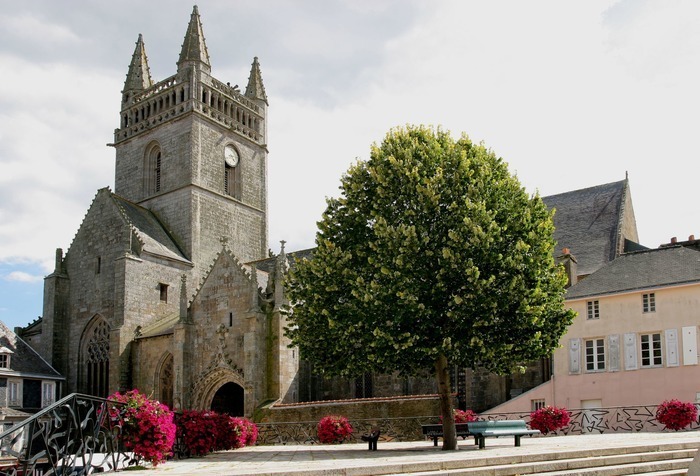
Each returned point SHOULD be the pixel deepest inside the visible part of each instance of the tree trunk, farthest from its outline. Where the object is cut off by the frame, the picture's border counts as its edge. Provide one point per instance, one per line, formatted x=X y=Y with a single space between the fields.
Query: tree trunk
x=449 y=439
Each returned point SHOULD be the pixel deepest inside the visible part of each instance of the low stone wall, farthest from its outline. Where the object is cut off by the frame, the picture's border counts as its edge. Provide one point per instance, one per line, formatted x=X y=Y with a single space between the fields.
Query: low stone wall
x=280 y=426
x=296 y=423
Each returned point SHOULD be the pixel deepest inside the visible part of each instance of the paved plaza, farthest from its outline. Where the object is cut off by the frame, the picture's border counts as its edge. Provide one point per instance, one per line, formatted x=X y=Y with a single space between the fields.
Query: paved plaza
x=397 y=457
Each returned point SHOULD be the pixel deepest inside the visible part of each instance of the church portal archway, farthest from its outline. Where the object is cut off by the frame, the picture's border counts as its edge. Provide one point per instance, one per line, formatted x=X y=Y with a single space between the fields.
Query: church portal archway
x=221 y=389
x=229 y=398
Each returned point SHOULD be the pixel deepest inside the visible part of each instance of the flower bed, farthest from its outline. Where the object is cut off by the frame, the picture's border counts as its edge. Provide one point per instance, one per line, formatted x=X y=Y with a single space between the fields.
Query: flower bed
x=334 y=429
x=676 y=415
x=147 y=426
x=202 y=432
x=549 y=419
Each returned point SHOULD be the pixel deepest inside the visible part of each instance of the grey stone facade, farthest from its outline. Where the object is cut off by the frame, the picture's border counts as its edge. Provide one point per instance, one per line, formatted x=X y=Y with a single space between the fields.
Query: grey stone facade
x=153 y=293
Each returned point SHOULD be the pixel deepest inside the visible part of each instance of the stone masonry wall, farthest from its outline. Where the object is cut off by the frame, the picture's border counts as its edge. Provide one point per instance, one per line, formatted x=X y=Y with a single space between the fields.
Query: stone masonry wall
x=148 y=354
x=359 y=409
x=230 y=332
x=91 y=263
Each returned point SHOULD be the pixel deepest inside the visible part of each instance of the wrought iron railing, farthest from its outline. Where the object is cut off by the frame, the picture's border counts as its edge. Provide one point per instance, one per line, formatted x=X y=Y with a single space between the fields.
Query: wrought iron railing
x=74 y=436
x=631 y=419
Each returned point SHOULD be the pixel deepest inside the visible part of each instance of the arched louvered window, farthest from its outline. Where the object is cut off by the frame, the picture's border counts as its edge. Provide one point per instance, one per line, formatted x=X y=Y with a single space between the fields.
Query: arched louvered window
x=153 y=169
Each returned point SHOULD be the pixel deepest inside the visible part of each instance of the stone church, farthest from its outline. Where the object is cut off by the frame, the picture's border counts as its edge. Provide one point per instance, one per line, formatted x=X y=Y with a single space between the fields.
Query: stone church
x=160 y=289
x=169 y=286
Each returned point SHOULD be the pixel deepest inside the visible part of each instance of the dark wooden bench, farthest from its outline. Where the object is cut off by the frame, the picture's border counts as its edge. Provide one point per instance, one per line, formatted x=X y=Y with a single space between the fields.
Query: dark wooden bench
x=435 y=431
x=484 y=429
x=372 y=438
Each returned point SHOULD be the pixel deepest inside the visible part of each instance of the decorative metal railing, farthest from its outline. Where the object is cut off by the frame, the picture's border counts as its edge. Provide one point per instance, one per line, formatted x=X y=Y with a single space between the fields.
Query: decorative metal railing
x=632 y=419
x=302 y=433
x=74 y=436
x=598 y=420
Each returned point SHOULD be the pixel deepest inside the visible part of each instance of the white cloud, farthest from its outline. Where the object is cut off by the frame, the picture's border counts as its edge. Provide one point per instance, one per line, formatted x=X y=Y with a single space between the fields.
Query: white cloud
x=52 y=151
x=22 y=277
x=570 y=94
x=25 y=27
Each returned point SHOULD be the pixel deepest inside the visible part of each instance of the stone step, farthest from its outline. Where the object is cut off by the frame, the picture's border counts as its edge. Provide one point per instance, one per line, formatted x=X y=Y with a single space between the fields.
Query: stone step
x=615 y=462
x=670 y=466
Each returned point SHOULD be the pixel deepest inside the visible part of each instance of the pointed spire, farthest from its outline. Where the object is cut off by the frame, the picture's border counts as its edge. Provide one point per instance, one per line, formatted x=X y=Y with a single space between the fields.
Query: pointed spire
x=255 y=88
x=194 y=49
x=139 y=76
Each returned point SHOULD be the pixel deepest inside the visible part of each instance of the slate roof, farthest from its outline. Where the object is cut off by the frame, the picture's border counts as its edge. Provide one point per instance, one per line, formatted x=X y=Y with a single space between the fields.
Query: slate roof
x=268 y=265
x=587 y=221
x=648 y=269
x=155 y=239
x=24 y=360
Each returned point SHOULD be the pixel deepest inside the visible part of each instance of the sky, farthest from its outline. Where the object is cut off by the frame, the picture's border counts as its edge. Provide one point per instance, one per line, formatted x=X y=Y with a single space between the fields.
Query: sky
x=571 y=94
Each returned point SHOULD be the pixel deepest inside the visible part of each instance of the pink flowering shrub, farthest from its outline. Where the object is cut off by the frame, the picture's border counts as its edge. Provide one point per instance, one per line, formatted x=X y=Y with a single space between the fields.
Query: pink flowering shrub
x=549 y=419
x=248 y=432
x=197 y=431
x=463 y=416
x=147 y=425
x=334 y=429
x=676 y=415
x=229 y=433
x=203 y=432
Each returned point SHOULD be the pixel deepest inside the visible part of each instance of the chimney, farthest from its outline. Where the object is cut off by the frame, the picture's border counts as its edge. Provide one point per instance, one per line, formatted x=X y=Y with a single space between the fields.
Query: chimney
x=691 y=238
x=674 y=240
x=570 y=264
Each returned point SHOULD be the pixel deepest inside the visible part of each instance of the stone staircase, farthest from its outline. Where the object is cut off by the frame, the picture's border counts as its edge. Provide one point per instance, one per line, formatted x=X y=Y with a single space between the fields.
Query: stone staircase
x=662 y=459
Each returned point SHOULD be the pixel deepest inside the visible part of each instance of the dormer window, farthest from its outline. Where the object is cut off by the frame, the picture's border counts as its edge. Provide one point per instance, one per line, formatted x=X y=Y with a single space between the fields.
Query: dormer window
x=5 y=357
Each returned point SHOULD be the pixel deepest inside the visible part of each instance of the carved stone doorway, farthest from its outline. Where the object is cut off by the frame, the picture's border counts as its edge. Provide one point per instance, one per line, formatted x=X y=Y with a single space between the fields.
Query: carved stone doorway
x=229 y=398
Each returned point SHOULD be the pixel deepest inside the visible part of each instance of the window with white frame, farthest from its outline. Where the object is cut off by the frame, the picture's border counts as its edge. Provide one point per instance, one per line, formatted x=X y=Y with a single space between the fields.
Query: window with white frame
x=593 y=309
x=595 y=355
x=48 y=393
x=537 y=404
x=4 y=361
x=648 y=302
x=651 y=350
x=14 y=393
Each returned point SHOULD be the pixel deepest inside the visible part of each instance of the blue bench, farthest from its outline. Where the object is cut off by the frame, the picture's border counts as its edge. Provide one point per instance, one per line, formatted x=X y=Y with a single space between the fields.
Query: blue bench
x=484 y=429
x=435 y=431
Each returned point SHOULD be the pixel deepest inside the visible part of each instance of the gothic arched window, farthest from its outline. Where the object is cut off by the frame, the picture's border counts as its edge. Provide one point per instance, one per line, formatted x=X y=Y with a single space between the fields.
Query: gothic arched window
x=152 y=170
x=165 y=381
x=95 y=362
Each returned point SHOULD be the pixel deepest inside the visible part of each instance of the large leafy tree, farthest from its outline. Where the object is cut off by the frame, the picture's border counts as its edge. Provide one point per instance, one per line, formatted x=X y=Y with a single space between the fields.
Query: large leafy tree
x=433 y=255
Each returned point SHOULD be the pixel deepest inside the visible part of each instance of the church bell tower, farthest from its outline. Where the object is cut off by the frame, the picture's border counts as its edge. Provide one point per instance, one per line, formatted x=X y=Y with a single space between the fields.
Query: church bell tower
x=193 y=150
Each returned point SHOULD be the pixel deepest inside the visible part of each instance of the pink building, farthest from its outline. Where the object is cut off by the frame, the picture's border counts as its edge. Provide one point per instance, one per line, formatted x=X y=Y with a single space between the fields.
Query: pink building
x=635 y=339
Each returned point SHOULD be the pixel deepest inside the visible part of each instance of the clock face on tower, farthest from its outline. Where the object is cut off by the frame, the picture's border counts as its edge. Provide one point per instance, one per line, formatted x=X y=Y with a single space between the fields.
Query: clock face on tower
x=230 y=156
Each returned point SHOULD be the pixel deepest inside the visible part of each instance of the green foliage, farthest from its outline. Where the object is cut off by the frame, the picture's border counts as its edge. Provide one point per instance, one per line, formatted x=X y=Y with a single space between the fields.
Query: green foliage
x=432 y=249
